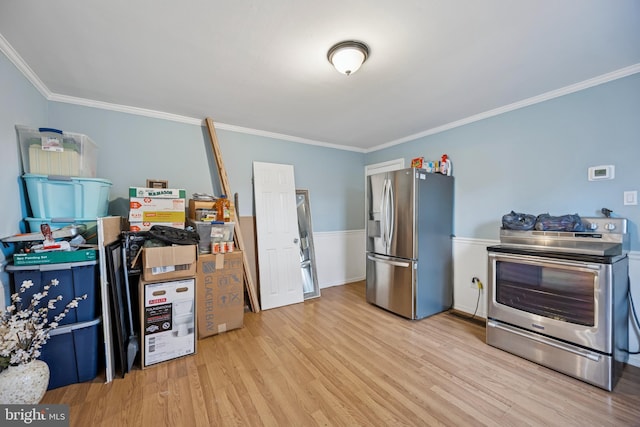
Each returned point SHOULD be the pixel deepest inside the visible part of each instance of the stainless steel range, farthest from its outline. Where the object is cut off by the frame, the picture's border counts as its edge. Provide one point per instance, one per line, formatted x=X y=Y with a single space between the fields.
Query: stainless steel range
x=560 y=298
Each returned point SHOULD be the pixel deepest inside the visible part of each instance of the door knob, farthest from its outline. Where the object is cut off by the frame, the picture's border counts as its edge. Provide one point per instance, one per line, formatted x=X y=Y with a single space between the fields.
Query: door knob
x=295 y=240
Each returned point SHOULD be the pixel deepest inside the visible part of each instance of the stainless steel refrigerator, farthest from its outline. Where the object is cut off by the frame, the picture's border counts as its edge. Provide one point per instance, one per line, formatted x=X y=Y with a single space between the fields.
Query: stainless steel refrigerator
x=409 y=237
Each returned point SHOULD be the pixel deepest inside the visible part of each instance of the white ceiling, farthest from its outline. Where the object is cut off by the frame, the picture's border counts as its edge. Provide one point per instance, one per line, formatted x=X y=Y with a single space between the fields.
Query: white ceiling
x=262 y=66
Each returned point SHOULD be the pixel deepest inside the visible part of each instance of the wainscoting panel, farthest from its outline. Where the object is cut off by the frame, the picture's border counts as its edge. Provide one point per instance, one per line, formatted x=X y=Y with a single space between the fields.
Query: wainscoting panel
x=634 y=332
x=340 y=256
x=469 y=261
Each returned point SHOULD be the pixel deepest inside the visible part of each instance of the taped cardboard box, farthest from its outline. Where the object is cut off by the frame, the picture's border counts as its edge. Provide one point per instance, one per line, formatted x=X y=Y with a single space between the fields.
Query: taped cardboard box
x=159 y=193
x=168 y=262
x=220 y=293
x=146 y=226
x=141 y=207
x=194 y=205
x=199 y=204
x=167 y=314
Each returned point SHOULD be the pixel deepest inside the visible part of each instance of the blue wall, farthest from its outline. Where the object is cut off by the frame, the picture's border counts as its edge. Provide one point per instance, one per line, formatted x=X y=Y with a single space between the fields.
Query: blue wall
x=20 y=103
x=532 y=160
x=535 y=159
x=134 y=148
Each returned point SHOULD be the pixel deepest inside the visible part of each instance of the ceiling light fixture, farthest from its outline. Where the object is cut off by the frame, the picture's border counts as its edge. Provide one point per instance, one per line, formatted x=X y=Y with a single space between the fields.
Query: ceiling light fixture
x=348 y=56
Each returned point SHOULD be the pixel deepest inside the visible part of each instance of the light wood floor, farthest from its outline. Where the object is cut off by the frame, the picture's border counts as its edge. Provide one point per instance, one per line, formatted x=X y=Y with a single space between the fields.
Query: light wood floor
x=338 y=361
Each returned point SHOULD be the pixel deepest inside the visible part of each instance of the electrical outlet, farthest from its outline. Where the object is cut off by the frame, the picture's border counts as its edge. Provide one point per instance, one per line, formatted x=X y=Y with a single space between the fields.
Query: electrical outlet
x=474 y=282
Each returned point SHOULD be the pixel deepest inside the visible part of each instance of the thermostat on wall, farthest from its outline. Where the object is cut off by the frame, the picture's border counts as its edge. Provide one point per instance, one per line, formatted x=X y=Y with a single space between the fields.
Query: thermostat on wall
x=597 y=173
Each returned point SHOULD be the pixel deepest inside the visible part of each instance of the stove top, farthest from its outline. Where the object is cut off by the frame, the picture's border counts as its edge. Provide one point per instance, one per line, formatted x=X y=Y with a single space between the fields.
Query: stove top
x=603 y=237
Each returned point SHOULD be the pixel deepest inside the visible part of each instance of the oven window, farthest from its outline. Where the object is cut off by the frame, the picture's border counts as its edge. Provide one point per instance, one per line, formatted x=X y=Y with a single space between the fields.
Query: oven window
x=561 y=294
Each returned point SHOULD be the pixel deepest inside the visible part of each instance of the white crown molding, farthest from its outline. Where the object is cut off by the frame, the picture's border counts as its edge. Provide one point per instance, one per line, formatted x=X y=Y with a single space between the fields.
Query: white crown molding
x=17 y=60
x=124 y=109
x=604 y=78
x=22 y=66
x=288 y=138
x=190 y=120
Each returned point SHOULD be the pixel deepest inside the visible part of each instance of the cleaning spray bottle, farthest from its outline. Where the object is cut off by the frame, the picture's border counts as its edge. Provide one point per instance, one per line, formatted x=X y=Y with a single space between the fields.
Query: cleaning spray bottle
x=445 y=165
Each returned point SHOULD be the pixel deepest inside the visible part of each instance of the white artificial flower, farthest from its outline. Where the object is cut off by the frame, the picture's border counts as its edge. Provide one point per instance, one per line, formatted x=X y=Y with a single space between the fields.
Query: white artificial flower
x=25 y=330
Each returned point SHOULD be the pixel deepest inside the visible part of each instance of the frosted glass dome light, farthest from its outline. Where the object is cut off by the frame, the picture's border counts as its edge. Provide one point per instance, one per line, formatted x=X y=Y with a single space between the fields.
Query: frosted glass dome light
x=348 y=56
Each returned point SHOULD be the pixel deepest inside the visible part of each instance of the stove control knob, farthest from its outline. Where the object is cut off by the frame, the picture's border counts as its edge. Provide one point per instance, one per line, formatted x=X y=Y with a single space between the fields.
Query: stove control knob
x=593 y=226
x=610 y=226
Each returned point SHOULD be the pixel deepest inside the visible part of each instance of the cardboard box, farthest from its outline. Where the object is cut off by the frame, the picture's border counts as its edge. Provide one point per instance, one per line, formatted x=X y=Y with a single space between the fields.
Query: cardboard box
x=199 y=204
x=203 y=204
x=220 y=293
x=158 y=193
x=54 y=257
x=159 y=216
x=159 y=205
x=146 y=226
x=167 y=314
x=168 y=262
x=138 y=206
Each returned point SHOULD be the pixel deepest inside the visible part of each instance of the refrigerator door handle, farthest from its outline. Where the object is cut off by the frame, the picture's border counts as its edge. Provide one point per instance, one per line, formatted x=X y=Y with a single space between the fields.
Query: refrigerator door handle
x=391 y=207
x=383 y=212
x=388 y=261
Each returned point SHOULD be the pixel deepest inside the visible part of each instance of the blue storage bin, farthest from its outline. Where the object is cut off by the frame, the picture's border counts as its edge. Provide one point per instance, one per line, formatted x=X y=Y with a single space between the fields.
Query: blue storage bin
x=76 y=279
x=72 y=353
x=67 y=197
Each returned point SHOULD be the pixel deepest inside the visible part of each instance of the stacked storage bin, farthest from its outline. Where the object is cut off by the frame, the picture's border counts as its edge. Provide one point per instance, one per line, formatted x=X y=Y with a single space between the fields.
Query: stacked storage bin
x=62 y=189
x=60 y=176
x=72 y=351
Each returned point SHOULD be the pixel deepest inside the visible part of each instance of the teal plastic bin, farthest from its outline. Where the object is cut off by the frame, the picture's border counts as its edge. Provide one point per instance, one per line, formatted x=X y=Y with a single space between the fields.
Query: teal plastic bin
x=67 y=197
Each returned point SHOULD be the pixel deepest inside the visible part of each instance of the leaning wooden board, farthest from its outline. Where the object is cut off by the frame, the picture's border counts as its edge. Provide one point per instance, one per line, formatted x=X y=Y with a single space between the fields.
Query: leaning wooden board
x=248 y=277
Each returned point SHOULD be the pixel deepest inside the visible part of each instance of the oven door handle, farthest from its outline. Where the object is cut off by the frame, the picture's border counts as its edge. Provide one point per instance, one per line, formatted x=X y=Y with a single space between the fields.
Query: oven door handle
x=529 y=259
x=584 y=353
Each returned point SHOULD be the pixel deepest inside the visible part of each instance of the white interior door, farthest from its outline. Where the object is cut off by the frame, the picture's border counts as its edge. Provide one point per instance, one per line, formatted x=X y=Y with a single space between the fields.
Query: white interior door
x=277 y=235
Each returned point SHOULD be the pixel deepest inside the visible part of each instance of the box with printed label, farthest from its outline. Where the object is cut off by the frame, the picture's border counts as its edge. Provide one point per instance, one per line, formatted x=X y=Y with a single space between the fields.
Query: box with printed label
x=38 y=258
x=220 y=293
x=157 y=193
x=168 y=262
x=139 y=206
x=156 y=216
x=146 y=226
x=167 y=320
x=200 y=204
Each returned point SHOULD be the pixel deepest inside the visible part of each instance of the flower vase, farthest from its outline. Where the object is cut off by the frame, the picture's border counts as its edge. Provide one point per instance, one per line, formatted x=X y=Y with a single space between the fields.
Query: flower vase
x=24 y=384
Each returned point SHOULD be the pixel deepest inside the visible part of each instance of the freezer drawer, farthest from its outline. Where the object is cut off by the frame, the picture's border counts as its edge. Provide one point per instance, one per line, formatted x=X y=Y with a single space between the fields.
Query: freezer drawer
x=390 y=284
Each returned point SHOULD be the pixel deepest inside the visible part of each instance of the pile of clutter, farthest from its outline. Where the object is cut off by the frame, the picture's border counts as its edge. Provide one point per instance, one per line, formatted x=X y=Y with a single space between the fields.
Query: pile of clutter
x=542 y=222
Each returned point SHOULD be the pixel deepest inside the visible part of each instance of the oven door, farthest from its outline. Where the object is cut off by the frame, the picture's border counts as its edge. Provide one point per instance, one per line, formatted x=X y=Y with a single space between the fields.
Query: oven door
x=563 y=299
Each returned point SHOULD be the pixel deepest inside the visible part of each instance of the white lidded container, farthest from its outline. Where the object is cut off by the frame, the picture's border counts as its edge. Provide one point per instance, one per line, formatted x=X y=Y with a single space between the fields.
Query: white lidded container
x=48 y=151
